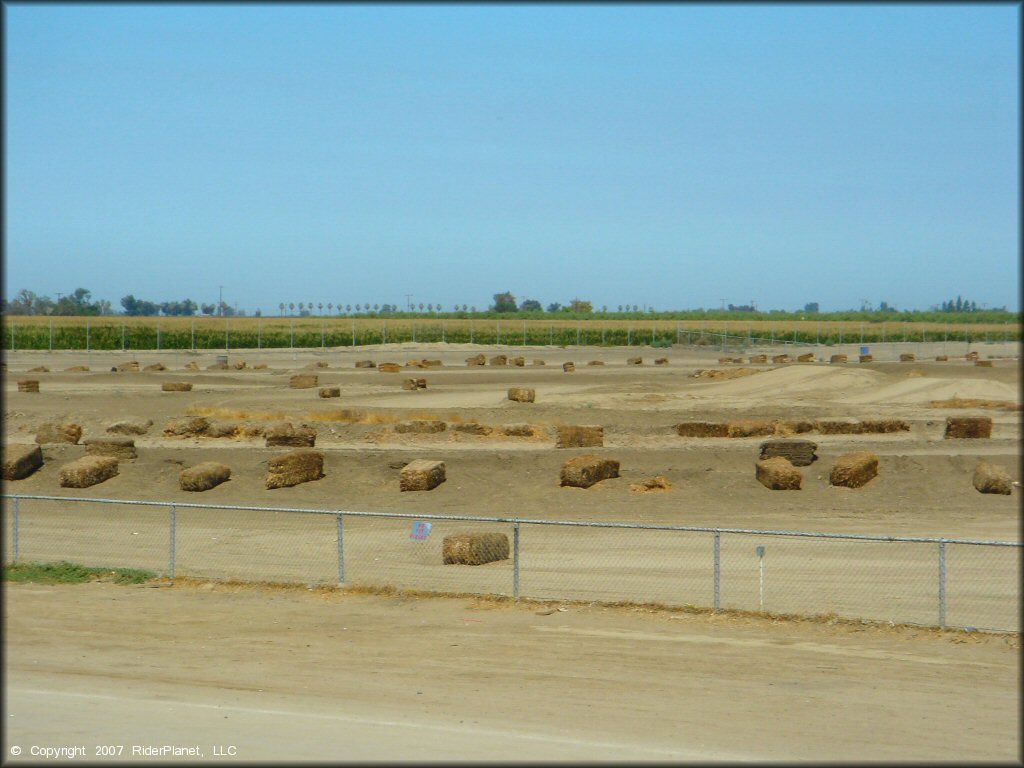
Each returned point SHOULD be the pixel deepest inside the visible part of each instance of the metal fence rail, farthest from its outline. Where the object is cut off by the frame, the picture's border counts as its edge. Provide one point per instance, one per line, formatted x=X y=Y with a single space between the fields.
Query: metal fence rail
x=918 y=580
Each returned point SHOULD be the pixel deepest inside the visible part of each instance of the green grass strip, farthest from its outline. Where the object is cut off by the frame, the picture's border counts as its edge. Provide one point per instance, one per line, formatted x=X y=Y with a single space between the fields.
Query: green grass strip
x=72 y=573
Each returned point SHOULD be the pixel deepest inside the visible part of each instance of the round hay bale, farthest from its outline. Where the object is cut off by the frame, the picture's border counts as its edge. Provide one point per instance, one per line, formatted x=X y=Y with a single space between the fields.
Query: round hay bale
x=852 y=470
x=989 y=478
x=203 y=477
x=778 y=474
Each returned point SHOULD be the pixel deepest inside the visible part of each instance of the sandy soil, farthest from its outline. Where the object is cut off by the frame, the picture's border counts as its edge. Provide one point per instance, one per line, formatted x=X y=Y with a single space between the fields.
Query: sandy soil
x=588 y=683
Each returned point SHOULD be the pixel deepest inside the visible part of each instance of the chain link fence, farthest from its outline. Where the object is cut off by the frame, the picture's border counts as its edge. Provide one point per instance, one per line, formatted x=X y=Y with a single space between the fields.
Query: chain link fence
x=923 y=581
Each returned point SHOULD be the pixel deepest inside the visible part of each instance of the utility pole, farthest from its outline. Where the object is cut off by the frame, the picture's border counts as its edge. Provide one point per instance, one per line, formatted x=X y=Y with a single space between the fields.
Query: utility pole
x=408 y=301
x=220 y=302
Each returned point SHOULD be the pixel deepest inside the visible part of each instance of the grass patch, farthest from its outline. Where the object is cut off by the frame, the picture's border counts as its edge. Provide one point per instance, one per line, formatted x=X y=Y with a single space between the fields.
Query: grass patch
x=72 y=573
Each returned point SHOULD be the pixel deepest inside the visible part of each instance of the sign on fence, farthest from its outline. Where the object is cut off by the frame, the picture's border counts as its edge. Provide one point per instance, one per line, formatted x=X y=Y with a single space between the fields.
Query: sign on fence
x=420 y=530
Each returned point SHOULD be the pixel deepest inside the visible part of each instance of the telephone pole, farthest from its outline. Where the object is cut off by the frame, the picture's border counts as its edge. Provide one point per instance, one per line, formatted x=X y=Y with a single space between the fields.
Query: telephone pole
x=220 y=302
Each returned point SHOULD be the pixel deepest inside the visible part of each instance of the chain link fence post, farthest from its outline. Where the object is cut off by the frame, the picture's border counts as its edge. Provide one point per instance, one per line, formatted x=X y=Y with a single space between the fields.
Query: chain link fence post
x=14 y=531
x=341 y=551
x=942 y=585
x=515 y=559
x=718 y=571
x=174 y=526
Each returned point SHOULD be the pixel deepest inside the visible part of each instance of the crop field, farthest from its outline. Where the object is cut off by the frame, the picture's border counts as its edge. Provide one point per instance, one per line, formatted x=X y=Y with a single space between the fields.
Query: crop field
x=151 y=333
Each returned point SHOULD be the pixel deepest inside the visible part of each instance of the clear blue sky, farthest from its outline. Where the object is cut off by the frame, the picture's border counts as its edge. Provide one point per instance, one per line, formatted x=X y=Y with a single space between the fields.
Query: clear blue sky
x=668 y=155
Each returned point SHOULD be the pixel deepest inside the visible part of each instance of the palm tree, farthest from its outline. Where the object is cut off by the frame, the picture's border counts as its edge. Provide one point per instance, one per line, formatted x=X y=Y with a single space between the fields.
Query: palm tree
x=291 y=307
x=281 y=307
x=635 y=308
x=471 y=309
x=376 y=307
x=301 y=307
x=357 y=308
x=421 y=306
x=348 y=307
x=320 y=306
x=330 y=307
x=620 y=308
x=438 y=307
x=430 y=307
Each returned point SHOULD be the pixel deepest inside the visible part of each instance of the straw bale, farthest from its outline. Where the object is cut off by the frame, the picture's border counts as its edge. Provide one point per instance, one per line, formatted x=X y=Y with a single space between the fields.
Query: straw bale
x=20 y=461
x=522 y=394
x=77 y=369
x=778 y=474
x=971 y=355
x=499 y=360
x=188 y=427
x=568 y=367
x=217 y=367
x=121 y=448
x=414 y=364
x=702 y=429
x=472 y=428
x=421 y=426
x=866 y=358
x=807 y=357
x=54 y=432
x=87 y=471
x=724 y=360
x=421 y=475
x=474 y=548
x=517 y=430
x=656 y=483
x=788 y=427
x=221 y=429
x=176 y=386
x=192 y=365
x=758 y=358
x=259 y=366
x=579 y=437
x=247 y=429
x=132 y=366
x=907 y=357
x=635 y=361
x=295 y=467
x=431 y=363
x=330 y=392
x=585 y=471
x=155 y=367
x=968 y=426
x=989 y=478
x=749 y=427
x=537 y=361
x=941 y=358
x=737 y=360
x=203 y=477
x=318 y=364
x=389 y=368
x=852 y=470
x=661 y=361
x=130 y=427
x=303 y=381
x=519 y=362
x=883 y=426
x=799 y=453
x=781 y=359
x=983 y=363
x=241 y=365
x=365 y=364
x=837 y=359
x=284 y=434
x=480 y=359
x=596 y=362
x=39 y=369
x=28 y=385
x=410 y=384
x=838 y=426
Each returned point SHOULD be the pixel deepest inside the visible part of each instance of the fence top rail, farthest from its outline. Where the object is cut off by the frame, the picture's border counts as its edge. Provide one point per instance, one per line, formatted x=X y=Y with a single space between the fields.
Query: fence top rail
x=517 y=520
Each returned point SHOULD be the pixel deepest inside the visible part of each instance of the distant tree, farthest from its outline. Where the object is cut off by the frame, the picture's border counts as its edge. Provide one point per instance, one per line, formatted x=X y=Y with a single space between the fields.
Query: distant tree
x=604 y=308
x=554 y=306
x=471 y=309
x=531 y=305
x=291 y=307
x=330 y=307
x=580 y=306
x=376 y=307
x=348 y=307
x=811 y=307
x=320 y=307
x=504 y=302
x=437 y=307
x=635 y=307
x=208 y=309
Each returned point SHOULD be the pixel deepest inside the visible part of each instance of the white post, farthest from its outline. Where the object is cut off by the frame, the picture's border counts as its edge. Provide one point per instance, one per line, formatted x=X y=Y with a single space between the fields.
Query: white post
x=760 y=557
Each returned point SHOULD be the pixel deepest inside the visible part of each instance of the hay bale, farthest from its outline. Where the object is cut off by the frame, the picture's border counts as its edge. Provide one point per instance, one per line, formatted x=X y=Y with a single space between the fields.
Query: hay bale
x=971 y=356
x=781 y=359
x=20 y=461
x=758 y=358
x=76 y=369
x=661 y=361
x=579 y=437
x=634 y=361
x=883 y=426
x=155 y=367
x=176 y=386
x=701 y=429
x=412 y=384
x=522 y=394
x=389 y=368
x=130 y=427
x=737 y=360
x=259 y=366
x=192 y=365
x=421 y=475
x=807 y=357
x=288 y=469
x=132 y=366
x=121 y=448
x=217 y=367
x=568 y=367
x=656 y=483
x=474 y=548
x=472 y=428
x=499 y=360
x=852 y=470
x=240 y=365
x=431 y=363
x=799 y=453
x=585 y=471
x=188 y=427
x=221 y=429
x=365 y=364
x=39 y=369
x=596 y=362
x=330 y=392
x=988 y=478
x=838 y=426
x=725 y=361
x=907 y=357
x=837 y=359
x=303 y=381
x=480 y=359
x=866 y=358
x=203 y=477
x=318 y=364
x=28 y=385
x=941 y=358
x=968 y=427
x=537 y=361
x=983 y=363
x=519 y=362
x=749 y=427
x=414 y=364
x=53 y=432
x=788 y=427
x=284 y=434
x=517 y=430
x=87 y=471
x=420 y=426
x=778 y=474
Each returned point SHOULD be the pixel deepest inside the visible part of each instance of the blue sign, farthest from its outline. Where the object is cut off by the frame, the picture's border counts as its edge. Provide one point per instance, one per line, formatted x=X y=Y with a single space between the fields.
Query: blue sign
x=420 y=531
x=864 y=350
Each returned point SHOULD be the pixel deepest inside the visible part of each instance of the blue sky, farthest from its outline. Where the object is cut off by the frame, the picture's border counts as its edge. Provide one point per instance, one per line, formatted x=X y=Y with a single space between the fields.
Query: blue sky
x=673 y=156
